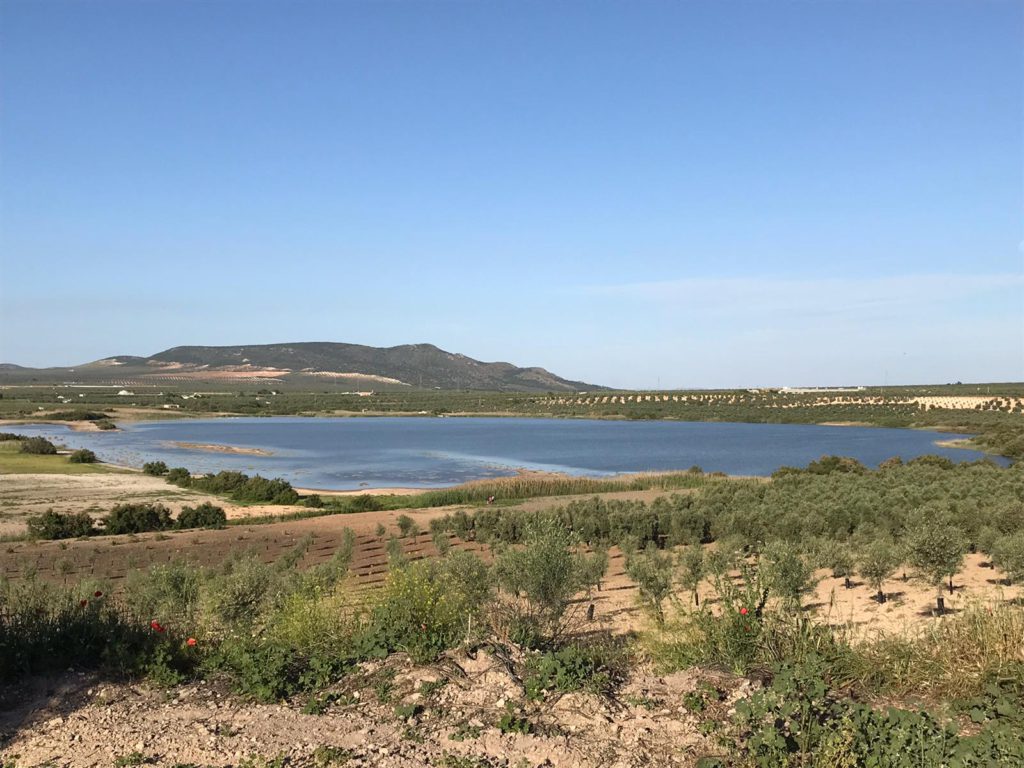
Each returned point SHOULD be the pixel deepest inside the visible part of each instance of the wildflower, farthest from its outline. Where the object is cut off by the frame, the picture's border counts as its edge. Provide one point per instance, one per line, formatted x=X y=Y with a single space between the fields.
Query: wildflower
x=156 y=626
x=191 y=642
x=97 y=593
x=84 y=603
x=743 y=611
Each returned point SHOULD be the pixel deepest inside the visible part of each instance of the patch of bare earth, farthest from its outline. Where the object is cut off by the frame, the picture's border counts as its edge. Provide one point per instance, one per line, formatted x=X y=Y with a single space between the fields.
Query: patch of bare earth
x=22 y=496
x=79 y=721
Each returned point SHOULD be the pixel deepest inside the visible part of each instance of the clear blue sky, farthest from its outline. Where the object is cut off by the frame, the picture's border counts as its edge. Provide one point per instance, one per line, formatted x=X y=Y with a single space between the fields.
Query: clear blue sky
x=629 y=193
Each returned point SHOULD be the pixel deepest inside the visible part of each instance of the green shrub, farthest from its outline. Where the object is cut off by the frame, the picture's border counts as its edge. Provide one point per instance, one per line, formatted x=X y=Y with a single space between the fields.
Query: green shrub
x=787 y=573
x=239 y=486
x=39 y=446
x=799 y=721
x=60 y=525
x=691 y=570
x=206 y=515
x=155 y=468
x=407 y=526
x=877 y=562
x=168 y=594
x=936 y=551
x=541 y=577
x=653 y=573
x=137 y=518
x=82 y=456
x=427 y=607
x=365 y=503
x=235 y=596
x=46 y=628
x=595 y=667
x=179 y=476
x=77 y=415
x=1008 y=554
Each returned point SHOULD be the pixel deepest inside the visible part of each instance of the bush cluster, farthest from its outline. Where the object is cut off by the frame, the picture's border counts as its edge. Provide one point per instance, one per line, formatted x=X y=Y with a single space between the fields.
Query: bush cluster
x=82 y=456
x=237 y=485
x=39 y=446
x=124 y=518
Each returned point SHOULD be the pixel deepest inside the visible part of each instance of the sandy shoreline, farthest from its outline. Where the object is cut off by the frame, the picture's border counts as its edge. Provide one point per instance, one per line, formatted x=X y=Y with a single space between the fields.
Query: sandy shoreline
x=221 y=448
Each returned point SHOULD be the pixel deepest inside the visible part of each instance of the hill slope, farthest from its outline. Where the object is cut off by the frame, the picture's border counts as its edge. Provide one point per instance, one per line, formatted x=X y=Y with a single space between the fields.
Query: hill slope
x=417 y=365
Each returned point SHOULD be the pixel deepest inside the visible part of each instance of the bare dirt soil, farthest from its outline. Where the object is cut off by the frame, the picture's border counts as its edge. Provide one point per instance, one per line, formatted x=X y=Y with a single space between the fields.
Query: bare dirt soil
x=79 y=720
x=24 y=495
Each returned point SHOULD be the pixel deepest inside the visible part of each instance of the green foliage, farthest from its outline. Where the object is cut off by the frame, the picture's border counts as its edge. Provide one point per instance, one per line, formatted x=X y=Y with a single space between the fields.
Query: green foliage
x=837 y=556
x=407 y=526
x=60 y=525
x=691 y=570
x=731 y=637
x=155 y=468
x=137 y=518
x=237 y=485
x=1008 y=554
x=799 y=721
x=206 y=515
x=542 y=576
x=428 y=607
x=653 y=573
x=787 y=573
x=179 y=476
x=595 y=667
x=876 y=562
x=44 y=628
x=936 y=550
x=77 y=415
x=82 y=456
x=38 y=446
x=514 y=722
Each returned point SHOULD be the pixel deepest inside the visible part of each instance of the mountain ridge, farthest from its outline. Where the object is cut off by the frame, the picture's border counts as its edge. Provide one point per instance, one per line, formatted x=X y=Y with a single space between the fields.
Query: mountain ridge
x=413 y=365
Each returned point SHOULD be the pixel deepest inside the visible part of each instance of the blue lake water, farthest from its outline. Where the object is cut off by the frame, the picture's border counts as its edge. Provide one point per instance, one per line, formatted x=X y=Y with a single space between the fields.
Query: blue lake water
x=348 y=453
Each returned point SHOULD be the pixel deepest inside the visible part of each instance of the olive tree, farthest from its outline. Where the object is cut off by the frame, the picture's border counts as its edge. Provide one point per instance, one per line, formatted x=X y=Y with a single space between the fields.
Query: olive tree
x=876 y=562
x=651 y=569
x=542 y=576
x=1008 y=555
x=691 y=570
x=787 y=572
x=937 y=551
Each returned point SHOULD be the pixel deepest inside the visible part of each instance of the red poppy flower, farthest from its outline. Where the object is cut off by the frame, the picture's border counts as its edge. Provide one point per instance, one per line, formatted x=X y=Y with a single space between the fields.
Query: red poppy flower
x=743 y=611
x=84 y=603
x=156 y=626
x=191 y=642
x=97 y=593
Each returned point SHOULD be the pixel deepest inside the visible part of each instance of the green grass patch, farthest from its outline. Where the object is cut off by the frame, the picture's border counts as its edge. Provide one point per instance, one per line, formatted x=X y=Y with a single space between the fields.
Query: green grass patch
x=12 y=462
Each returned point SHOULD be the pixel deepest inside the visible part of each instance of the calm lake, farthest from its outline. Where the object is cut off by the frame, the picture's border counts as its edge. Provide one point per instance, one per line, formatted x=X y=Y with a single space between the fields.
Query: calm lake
x=349 y=453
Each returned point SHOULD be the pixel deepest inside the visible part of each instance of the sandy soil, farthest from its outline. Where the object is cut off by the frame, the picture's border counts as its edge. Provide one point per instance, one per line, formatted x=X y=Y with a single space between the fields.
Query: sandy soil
x=82 y=721
x=24 y=495
x=218 y=448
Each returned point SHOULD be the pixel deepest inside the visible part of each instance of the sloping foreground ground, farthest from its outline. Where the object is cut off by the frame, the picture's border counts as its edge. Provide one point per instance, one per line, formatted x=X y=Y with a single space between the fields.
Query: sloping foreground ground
x=390 y=715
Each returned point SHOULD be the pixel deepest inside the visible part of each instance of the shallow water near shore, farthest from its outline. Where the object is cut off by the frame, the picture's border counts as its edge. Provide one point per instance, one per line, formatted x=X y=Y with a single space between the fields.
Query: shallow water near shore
x=349 y=453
